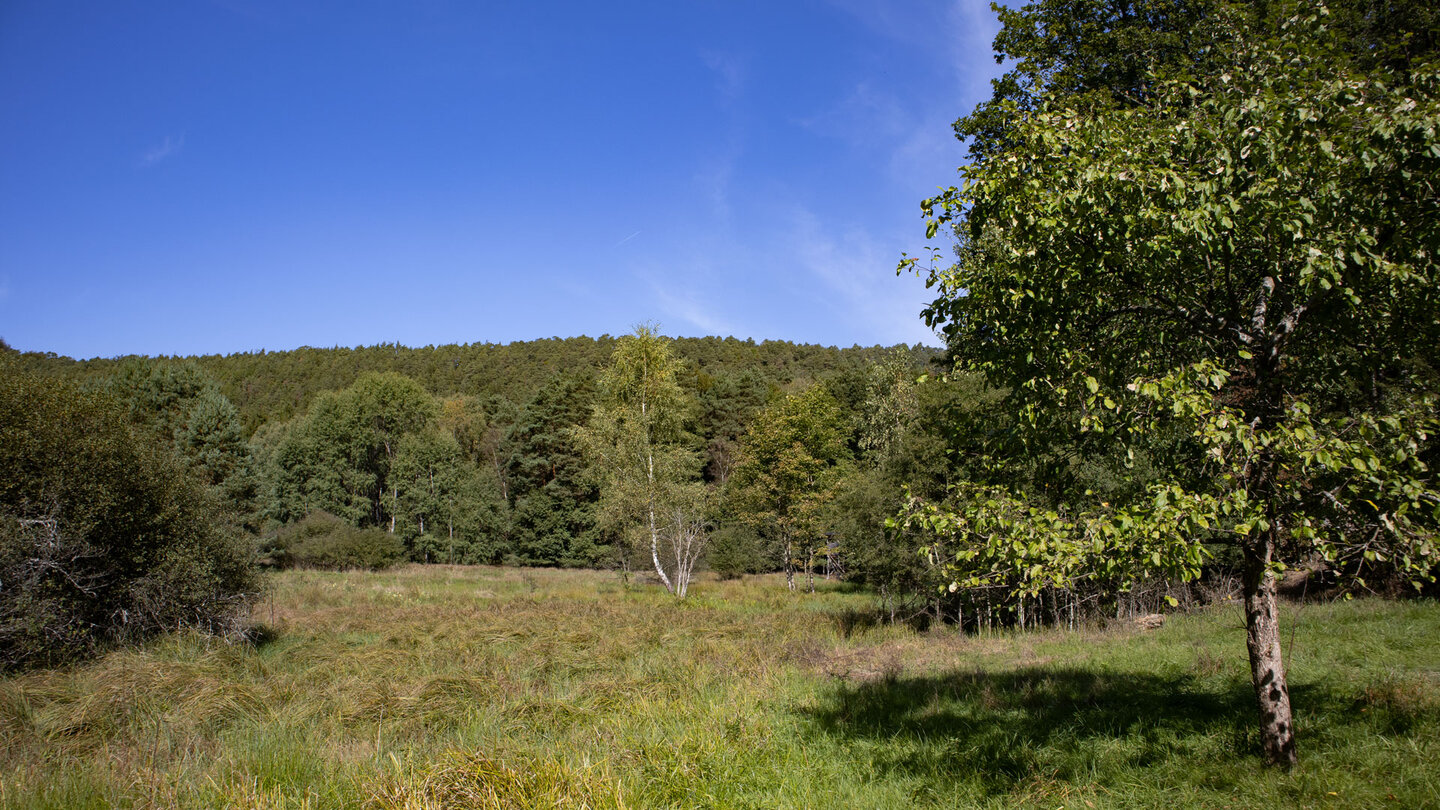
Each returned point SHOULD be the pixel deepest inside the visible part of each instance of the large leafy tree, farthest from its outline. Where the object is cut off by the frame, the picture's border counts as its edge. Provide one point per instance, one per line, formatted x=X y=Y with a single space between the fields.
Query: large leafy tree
x=1249 y=256
x=553 y=498
x=184 y=409
x=449 y=509
x=792 y=461
x=339 y=457
x=1104 y=49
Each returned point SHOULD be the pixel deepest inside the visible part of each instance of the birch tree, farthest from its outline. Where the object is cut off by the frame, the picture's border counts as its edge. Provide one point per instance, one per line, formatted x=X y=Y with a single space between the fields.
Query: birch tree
x=649 y=478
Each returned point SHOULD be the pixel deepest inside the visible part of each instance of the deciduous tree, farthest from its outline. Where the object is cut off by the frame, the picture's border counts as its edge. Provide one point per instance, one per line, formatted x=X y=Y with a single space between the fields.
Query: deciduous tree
x=1249 y=255
x=792 y=459
x=637 y=447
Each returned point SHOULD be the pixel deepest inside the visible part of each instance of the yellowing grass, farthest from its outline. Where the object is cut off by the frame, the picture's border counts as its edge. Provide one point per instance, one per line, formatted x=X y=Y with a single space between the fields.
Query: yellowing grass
x=488 y=687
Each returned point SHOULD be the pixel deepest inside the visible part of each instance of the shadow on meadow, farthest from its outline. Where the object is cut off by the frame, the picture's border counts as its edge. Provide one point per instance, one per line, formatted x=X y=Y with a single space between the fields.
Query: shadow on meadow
x=1003 y=730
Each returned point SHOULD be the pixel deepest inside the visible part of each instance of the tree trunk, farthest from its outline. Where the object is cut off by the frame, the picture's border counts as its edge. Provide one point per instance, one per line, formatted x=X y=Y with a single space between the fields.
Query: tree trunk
x=1262 y=616
x=789 y=563
x=654 y=529
x=810 y=569
x=1267 y=670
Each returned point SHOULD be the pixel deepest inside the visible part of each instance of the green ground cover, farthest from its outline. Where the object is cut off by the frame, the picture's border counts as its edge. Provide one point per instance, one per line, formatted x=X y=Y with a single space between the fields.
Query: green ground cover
x=490 y=687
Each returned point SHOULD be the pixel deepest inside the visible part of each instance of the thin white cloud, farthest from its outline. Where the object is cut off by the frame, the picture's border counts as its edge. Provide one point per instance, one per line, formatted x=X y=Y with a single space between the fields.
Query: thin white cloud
x=853 y=269
x=685 y=306
x=909 y=126
x=715 y=175
x=972 y=30
x=730 y=72
x=714 y=181
x=627 y=239
x=161 y=151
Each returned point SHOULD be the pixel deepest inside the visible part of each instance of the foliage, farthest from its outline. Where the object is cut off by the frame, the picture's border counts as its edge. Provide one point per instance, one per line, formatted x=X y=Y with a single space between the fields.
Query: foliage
x=182 y=408
x=635 y=443
x=1250 y=258
x=449 y=510
x=339 y=457
x=554 y=498
x=924 y=436
x=1279 y=193
x=322 y=540
x=104 y=534
x=728 y=403
x=383 y=454
x=1105 y=50
x=792 y=458
x=736 y=549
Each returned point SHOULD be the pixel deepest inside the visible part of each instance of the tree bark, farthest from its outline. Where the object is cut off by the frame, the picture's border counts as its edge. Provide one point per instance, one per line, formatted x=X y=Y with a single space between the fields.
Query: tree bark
x=1267 y=669
x=789 y=563
x=1262 y=616
x=650 y=509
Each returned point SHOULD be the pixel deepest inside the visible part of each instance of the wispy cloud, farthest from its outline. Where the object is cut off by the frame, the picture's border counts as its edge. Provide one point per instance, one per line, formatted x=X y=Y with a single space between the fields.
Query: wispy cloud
x=729 y=72
x=714 y=180
x=853 y=270
x=686 y=306
x=715 y=176
x=627 y=239
x=161 y=151
x=972 y=29
x=951 y=42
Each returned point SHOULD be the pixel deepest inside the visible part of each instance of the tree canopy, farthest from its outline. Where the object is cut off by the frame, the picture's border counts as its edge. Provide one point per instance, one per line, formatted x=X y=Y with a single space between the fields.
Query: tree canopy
x=1247 y=255
x=791 y=461
x=649 y=476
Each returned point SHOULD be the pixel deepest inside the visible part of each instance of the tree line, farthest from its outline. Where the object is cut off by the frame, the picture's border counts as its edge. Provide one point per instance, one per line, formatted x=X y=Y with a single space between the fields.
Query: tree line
x=473 y=477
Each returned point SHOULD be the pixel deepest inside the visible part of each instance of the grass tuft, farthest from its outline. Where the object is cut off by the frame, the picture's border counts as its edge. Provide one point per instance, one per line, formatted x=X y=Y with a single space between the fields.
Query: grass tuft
x=475 y=781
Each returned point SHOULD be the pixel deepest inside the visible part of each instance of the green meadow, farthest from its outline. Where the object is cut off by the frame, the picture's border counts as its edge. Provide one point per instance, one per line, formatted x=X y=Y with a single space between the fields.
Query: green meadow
x=430 y=687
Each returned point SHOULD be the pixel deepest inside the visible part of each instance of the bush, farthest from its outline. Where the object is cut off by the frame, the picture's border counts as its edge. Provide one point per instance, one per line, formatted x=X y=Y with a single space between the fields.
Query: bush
x=105 y=537
x=322 y=540
x=736 y=550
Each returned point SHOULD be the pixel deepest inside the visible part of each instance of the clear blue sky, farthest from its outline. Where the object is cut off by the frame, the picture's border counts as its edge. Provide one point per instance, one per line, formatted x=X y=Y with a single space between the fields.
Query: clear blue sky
x=194 y=177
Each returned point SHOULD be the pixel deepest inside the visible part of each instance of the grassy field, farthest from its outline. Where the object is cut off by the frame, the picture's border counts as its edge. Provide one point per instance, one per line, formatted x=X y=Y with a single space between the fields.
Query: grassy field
x=488 y=687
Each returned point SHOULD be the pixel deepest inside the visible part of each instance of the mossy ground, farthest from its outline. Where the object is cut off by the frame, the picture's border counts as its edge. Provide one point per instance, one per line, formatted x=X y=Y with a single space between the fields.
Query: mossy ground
x=490 y=687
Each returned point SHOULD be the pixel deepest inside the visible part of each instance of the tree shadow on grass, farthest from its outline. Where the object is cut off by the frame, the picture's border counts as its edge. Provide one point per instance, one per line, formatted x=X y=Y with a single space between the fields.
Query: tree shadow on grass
x=1000 y=730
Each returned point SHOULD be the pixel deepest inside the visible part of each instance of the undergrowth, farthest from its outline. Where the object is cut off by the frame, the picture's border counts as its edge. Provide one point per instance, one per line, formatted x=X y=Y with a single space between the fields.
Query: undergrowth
x=478 y=687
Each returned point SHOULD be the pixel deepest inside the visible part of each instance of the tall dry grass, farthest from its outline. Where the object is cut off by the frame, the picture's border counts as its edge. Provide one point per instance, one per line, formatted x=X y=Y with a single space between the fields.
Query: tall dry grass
x=489 y=687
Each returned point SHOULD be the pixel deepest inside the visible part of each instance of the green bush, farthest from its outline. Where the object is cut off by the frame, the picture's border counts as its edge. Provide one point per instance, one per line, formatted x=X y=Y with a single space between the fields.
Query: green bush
x=105 y=536
x=322 y=540
x=736 y=550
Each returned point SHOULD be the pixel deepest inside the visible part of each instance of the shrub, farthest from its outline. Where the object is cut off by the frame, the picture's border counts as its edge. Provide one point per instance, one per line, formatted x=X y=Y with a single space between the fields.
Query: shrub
x=104 y=535
x=736 y=550
x=322 y=540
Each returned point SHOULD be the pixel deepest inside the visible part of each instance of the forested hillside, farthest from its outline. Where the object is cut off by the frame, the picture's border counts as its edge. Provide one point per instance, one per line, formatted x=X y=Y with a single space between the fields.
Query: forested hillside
x=270 y=386
x=477 y=453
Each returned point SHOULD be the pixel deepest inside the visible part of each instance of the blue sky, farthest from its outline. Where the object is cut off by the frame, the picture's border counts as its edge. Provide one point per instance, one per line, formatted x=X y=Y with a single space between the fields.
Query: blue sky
x=197 y=177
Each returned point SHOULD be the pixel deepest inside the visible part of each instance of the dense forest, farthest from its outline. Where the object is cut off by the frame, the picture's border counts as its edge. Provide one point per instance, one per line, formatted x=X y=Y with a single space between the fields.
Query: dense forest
x=473 y=454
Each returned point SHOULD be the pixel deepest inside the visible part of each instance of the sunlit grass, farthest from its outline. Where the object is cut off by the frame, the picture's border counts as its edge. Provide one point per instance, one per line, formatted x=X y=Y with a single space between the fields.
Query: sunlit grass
x=489 y=687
